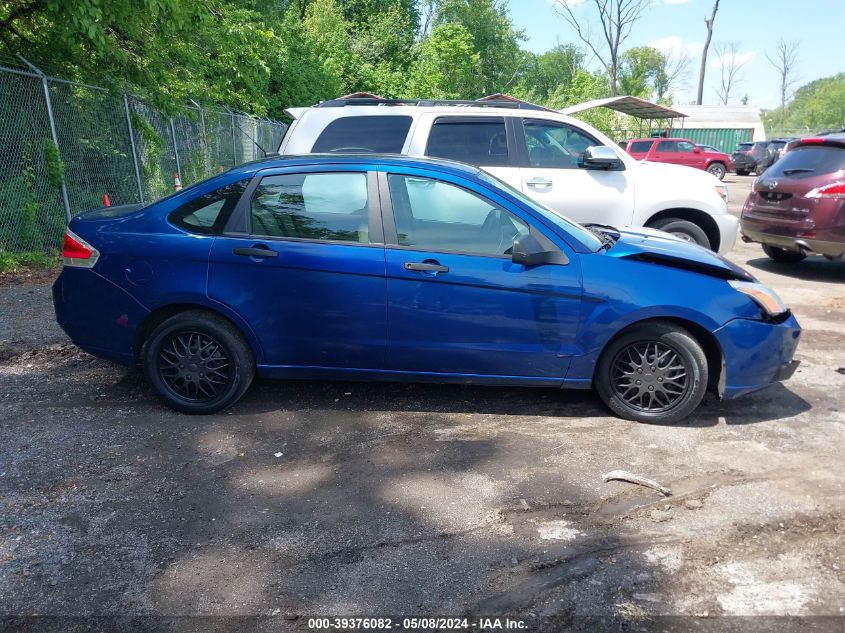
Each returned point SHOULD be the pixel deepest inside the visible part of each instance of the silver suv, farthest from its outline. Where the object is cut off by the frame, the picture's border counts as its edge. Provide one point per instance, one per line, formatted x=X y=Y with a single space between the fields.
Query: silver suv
x=559 y=161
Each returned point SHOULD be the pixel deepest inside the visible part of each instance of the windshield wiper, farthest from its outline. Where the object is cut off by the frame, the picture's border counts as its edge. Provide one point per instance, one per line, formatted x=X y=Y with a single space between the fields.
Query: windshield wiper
x=797 y=170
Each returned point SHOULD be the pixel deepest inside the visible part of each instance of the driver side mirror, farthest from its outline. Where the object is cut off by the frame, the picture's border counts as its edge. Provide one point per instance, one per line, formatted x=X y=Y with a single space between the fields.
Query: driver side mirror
x=528 y=251
x=600 y=157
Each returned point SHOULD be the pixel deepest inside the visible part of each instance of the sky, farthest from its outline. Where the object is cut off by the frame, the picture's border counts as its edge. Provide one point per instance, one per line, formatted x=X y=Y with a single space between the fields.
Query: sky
x=755 y=26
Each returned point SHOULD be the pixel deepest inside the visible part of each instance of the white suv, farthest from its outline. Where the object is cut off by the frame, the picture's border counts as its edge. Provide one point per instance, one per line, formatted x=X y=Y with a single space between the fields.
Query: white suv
x=559 y=161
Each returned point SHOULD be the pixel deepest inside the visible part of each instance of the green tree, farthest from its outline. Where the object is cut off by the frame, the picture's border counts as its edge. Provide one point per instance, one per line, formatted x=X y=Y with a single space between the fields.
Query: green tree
x=817 y=105
x=500 y=58
x=446 y=66
x=586 y=86
x=642 y=72
x=545 y=73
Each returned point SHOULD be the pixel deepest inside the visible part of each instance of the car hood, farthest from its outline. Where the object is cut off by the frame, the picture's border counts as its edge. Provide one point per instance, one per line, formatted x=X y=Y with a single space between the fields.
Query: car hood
x=657 y=247
x=667 y=174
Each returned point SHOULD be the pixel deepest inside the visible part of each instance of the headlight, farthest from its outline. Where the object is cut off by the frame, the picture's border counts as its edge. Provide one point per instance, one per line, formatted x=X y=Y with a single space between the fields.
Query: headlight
x=764 y=297
x=722 y=192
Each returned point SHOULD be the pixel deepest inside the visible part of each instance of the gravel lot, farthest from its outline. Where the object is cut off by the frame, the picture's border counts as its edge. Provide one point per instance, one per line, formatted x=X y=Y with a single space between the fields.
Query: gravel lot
x=397 y=500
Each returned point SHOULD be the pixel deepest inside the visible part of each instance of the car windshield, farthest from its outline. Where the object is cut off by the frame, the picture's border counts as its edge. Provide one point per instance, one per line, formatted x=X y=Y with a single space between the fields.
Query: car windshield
x=585 y=237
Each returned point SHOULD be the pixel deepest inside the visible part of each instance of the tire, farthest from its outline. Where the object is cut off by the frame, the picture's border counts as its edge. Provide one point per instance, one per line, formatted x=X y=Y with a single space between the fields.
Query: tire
x=665 y=401
x=198 y=340
x=684 y=229
x=742 y=172
x=782 y=255
x=718 y=169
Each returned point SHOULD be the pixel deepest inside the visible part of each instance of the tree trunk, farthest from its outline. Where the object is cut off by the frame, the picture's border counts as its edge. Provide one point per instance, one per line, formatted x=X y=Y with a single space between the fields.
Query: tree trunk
x=703 y=70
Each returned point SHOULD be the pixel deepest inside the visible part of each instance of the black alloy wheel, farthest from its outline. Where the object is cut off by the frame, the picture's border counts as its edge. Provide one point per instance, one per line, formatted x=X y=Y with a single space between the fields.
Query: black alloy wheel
x=653 y=372
x=194 y=366
x=650 y=377
x=198 y=362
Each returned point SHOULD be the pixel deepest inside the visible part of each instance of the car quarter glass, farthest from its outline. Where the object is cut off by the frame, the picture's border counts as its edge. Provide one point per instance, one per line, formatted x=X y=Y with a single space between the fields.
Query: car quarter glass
x=364 y=134
x=328 y=206
x=207 y=214
x=439 y=216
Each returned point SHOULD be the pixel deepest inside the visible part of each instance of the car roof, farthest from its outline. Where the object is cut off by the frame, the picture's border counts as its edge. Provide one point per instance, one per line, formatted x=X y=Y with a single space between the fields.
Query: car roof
x=415 y=111
x=835 y=140
x=660 y=138
x=299 y=160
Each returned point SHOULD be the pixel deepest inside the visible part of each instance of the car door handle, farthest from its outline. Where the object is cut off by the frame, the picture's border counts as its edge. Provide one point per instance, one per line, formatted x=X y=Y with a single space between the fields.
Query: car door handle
x=426 y=267
x=538 y=182
x=254 y=251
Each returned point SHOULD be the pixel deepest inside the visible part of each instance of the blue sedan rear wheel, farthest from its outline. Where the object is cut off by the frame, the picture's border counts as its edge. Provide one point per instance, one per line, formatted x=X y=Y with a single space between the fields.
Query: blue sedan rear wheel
x=198 y=362
x=655 y=372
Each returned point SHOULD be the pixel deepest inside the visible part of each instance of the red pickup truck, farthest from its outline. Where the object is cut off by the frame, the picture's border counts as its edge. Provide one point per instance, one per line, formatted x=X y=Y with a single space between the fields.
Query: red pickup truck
x=680 y=151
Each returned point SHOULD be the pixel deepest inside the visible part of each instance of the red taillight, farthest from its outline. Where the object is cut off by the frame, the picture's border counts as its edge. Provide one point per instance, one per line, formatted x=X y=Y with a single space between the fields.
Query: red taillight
x=836 y=190
x=77 y=252
x=812 y=141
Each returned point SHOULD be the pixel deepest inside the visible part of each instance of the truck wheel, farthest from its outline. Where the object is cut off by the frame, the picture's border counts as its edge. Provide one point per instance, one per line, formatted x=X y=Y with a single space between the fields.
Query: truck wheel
x=783 y=256
x=718 y=170
x=685 y=230
x=655 y=372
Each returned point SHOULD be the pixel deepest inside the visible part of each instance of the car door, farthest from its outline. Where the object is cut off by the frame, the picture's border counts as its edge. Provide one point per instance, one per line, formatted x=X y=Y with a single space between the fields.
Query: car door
x=687 y=155
x=667 y=152
x=551 y=174
x=302 y=260
x=457 y=305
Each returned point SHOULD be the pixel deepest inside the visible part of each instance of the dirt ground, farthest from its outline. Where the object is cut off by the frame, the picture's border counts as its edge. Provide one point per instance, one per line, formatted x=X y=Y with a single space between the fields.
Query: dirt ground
x=351 y=499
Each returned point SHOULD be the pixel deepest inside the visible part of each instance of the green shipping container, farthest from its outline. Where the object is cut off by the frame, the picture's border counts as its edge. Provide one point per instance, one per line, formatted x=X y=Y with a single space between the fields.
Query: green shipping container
x=723 y=139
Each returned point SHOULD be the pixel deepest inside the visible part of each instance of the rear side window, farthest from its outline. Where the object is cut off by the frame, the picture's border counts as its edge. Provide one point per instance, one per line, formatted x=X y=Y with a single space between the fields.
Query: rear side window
x=480 y=141
x=667 y=146
x=744 y=147
x=640 y=147
x=808 y=161
x=326 y=206
x=207 y=214
x=364 y=134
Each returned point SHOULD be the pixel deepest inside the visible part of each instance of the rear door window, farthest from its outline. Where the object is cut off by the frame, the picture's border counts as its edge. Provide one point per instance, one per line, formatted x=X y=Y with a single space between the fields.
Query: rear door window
x=808 y=161
x=640 y=147
x=364 y=134
x=325 y=206
x=667 y=146
x=480 y=141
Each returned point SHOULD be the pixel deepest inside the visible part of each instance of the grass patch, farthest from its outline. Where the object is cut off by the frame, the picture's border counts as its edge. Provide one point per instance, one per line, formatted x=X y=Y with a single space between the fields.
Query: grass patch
x=31 y=260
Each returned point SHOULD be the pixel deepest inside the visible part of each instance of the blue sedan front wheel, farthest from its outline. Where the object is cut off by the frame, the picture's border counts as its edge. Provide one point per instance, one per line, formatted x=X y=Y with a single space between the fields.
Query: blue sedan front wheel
x=198 y=362
x=654 y=372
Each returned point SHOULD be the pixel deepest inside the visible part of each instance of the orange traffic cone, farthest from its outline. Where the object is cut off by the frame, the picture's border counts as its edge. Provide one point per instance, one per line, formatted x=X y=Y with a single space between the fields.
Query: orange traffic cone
x=106 y=201
x=177 y=182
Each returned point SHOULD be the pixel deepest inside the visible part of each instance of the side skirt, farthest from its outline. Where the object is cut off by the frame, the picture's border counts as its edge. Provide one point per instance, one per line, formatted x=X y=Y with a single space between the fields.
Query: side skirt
x=300 y=372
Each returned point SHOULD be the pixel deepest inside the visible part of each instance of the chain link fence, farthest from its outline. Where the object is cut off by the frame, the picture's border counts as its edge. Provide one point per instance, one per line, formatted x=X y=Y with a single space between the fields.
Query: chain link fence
x=64 y=145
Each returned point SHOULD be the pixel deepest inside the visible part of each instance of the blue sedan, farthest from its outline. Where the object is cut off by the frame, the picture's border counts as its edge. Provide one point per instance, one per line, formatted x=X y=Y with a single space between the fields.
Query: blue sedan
x=391 y=268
